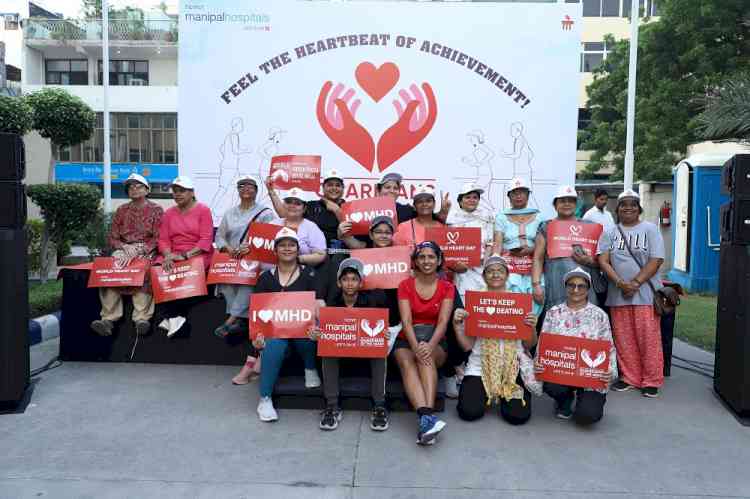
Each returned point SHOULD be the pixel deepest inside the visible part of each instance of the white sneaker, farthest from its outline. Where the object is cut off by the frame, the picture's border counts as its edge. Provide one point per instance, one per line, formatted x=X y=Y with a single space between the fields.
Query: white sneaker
x=266 y=411
x=175 y=323
x=312 y=380
x=451 y=387
x=164 y=325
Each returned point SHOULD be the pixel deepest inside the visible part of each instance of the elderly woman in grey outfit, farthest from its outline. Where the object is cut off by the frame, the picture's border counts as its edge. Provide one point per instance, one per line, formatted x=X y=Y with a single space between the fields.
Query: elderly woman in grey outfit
x=230 y=239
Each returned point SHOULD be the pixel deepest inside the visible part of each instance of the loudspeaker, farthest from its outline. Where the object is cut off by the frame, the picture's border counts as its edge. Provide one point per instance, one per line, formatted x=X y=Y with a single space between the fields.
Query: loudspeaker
x=735 y=176
x=12 y=157
x=14 y=316
x=12 y=205
x=731 y=368
x=735 y=221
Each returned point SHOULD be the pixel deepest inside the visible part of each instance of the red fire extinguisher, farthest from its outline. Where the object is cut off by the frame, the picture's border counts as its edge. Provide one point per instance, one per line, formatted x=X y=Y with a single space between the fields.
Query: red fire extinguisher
x=665 y=214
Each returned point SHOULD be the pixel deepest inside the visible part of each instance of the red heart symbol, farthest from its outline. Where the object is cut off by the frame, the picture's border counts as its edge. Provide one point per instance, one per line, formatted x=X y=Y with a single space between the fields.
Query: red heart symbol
x=377 y=82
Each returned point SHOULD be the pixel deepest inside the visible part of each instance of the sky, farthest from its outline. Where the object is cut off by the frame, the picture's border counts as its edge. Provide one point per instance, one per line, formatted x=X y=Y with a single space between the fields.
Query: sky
x=72 y=8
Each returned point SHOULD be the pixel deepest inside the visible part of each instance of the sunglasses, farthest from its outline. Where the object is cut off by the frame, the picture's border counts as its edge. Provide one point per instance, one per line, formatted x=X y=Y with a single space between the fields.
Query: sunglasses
x=576 y=287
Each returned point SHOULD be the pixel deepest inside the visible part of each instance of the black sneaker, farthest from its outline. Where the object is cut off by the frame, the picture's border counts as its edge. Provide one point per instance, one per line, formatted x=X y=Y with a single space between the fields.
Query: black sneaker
x=142 y=328
x=379 y=418
x=102 y=327
x=565 y=410
x=650 y=391
x=621 y=386
x=330 y=417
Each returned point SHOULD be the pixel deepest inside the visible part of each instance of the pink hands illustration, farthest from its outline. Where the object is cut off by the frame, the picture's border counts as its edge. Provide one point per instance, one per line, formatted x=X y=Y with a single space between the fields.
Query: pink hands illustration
x=337 y=120
x=414 y=123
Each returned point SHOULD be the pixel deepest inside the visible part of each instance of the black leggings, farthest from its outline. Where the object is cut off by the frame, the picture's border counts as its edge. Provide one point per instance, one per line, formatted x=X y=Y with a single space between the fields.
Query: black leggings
x=472 y=402
x=589 y=404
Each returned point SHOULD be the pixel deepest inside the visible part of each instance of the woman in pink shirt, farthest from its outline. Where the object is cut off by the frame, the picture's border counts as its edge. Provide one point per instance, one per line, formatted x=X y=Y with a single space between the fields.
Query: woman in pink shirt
x=186 y=231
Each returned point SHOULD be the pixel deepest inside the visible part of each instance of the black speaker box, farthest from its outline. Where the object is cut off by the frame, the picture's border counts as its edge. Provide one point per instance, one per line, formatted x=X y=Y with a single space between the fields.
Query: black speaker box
x=14 y=317
x=735 y=221
x=735 y=176
x=732 y=367
x=12 y=205
x=12 y=157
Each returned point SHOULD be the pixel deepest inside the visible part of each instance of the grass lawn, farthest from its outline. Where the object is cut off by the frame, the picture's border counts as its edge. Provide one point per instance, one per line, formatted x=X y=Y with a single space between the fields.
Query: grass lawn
x=44 y=298
x=696 y=321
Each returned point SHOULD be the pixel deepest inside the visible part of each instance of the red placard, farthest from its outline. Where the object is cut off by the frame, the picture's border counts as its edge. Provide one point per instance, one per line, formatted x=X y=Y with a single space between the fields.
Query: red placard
x=281 y=315
x=301 y=171
x=519 y=264
x=498 y=315
x=260 y=238
x=227 y=270
x=459 y=244
x=353 y=332
x=562 y=235
x=572 y=361
x=187 y=278
x=384 y=268
x=105 y=274
x=361 y=212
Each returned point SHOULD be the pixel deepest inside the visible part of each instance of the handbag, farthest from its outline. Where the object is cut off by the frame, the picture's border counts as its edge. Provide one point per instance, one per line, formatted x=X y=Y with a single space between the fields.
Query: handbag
x=664 y=303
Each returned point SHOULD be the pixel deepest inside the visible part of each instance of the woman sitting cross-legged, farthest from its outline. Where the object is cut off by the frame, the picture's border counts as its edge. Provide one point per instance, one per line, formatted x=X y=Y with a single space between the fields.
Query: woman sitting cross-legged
x=498 y=371
x=426 y=303
x=349 y=279
x=288 y=275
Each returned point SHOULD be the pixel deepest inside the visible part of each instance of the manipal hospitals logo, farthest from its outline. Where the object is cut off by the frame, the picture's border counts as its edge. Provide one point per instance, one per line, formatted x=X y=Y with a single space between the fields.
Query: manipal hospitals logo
x=199 y=13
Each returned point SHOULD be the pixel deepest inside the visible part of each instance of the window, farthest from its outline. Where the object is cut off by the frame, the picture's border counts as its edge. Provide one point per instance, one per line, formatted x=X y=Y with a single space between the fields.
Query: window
x=647 y=8
x=126 y=73
x=593 y=55
x=601 y=8
x=67 y=72
x=584 y=118
x=11 y=22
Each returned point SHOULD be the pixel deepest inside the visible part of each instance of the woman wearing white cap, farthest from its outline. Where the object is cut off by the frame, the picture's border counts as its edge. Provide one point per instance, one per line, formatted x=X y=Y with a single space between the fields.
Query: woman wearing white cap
x=516 y=227
x=578 y=317
x=630 y=254
x=554 y=269
x=390 y=185
x=312 y=242
x=187 y=230
x=134 y=234
x=498 y=371
x=231 y=238
x=412 y=232
x=288 y=275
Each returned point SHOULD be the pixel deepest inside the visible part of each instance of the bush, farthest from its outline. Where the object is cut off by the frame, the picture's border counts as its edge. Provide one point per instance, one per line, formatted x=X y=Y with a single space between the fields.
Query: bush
x=44 y=298
x=95 y=236
x=34 y=230
x=15 y=115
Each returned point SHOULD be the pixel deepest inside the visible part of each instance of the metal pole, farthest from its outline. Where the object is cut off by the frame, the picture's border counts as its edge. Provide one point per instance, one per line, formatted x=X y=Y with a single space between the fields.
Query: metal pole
x=632 y=65
x=107 y=177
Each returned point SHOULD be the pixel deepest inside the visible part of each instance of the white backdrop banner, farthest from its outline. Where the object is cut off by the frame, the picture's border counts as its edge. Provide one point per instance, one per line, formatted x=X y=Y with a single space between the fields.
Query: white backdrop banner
x=443 y=93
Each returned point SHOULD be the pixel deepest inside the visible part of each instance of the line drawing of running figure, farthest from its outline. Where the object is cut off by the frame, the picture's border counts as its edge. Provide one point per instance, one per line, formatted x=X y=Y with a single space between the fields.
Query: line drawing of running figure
x=266 y=151
x=230 y=153
x=481 y=160
x=521 y=148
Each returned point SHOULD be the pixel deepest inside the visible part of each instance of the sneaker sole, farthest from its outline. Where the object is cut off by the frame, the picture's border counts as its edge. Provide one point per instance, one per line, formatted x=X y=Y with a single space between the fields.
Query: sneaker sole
x=565 y=417
x=625 y=389
x=101 y=330
x=378 y=428
x=268 y=420
x=651 y=395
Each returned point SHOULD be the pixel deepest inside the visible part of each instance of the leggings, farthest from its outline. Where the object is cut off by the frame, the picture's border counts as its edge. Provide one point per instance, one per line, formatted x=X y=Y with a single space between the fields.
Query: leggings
x=472 y=402
x=589 y=404
x=273 y=358
x=331 y=380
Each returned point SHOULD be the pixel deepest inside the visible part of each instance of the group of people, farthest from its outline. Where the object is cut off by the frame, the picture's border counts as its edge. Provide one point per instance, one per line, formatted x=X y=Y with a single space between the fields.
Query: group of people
x=602 y=295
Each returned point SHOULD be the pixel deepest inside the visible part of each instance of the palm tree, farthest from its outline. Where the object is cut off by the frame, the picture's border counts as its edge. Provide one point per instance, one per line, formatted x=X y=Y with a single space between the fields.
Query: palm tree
x=726 y=115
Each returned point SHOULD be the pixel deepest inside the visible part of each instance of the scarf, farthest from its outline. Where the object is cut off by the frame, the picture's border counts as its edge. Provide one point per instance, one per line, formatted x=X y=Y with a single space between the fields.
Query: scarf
x=520 y=211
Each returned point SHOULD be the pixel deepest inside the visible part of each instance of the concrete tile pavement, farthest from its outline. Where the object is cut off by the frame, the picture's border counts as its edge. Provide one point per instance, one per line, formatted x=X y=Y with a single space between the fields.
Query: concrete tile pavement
x=130 y=430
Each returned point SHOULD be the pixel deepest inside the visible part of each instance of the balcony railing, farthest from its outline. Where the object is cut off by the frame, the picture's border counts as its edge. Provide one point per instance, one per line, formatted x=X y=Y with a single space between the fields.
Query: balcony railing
x=161 y=30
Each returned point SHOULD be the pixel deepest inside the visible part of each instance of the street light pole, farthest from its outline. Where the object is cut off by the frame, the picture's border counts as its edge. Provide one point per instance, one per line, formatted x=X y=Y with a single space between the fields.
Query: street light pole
x=630 y=119
x=107 y=177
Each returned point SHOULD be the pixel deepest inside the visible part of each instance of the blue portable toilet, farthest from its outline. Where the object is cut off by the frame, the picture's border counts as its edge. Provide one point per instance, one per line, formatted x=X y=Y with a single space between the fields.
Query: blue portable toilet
x=697 y=201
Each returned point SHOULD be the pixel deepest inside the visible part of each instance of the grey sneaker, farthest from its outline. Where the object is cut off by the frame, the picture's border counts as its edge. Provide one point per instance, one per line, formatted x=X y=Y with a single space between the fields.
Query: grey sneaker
x=330 y=417
x=102 y=327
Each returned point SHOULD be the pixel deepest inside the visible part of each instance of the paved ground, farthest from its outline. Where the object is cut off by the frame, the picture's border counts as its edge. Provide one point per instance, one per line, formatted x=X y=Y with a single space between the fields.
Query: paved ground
x=135 y=431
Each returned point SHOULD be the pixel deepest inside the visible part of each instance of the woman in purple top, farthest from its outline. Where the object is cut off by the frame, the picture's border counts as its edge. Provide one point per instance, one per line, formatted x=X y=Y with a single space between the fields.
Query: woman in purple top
x=312 y=242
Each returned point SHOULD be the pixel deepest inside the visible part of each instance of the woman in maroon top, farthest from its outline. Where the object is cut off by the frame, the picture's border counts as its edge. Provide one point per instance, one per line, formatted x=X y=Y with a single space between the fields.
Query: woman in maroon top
x=425 y=303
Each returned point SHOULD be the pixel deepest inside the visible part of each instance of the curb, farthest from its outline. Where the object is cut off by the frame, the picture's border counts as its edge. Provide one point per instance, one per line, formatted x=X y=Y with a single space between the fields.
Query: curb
x=44 y=328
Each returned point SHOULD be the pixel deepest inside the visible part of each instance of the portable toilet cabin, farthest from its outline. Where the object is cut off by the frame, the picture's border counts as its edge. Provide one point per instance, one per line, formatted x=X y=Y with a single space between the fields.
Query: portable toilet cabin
x=697 y=201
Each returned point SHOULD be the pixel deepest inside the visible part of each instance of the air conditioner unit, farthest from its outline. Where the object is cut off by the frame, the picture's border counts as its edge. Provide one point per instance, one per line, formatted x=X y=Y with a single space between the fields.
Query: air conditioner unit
x=138 y=82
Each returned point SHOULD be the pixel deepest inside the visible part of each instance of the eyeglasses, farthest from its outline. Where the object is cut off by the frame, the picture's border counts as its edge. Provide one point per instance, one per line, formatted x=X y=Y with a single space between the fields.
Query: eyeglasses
x=576 y=287
x=246 y=186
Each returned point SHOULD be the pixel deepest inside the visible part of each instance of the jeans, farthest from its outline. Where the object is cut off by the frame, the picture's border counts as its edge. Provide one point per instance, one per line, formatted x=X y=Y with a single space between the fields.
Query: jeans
x=273 y=358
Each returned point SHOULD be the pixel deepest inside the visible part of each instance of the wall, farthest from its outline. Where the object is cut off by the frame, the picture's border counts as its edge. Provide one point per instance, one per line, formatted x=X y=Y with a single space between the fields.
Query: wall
x=123 y=99
x=653 y=196
x=162 y=72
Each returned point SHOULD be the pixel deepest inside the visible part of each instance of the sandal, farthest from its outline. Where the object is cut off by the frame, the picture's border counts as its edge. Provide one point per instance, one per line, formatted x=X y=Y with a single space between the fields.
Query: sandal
x=247 y=373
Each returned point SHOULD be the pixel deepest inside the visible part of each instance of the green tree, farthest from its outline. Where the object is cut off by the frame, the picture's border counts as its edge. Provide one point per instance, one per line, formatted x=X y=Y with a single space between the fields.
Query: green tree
x=681 y=57
x=15 y=115
x=726 y=115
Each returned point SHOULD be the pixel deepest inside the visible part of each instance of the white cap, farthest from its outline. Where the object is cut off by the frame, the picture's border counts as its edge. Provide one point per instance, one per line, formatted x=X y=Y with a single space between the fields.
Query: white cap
x=184 y=182
x=333 y=173
x=565 y=191
x=470 y=187
x=518 y=183
x=424 y=190
x=495 y=259
x=134 y=177
x=628 y=193
x=297 y=193
x=245 y=179
x=285 y=233
x=577 y=272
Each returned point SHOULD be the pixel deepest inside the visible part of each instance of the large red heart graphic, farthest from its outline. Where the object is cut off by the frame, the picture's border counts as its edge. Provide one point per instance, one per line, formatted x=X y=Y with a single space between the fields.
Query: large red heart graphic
x=377 y=82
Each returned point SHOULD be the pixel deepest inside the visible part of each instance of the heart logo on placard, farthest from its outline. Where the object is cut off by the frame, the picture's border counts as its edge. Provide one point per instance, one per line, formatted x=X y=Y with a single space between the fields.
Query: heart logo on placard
x=280 y=174
x=265 y=315
x=356 y=217
x=372 y=331
x=258 y=241
x=490 y=310
x=575 y=230
x=248 y=265
x=377 y=82
x=453 y=237
x=593 y=363
x=367 y=269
